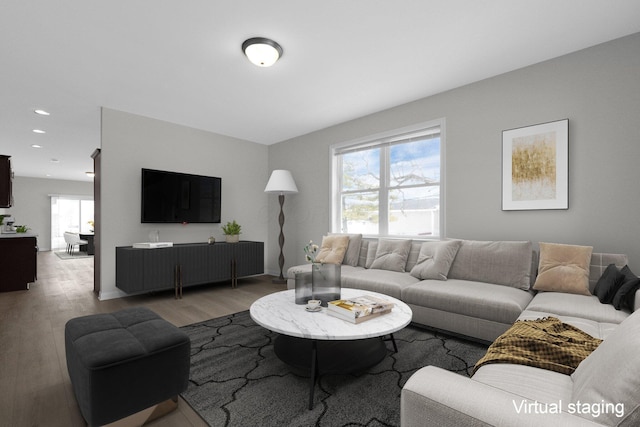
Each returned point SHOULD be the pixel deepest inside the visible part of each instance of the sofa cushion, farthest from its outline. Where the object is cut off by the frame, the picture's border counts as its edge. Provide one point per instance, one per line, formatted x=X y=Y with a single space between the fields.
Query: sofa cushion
x=585 y=306
x=501 y=263
x=608 y=284
x=600 y=262
x=626 y=293
x=371 y=253
x=609 y=375
x=386 y=282
x=564 y=268
x=435 y=259
x=333 y=249
x=501 y=304
x=391 y=255
x=414 y=252
x=600 y=330
x=353 y=248
x=534 y=384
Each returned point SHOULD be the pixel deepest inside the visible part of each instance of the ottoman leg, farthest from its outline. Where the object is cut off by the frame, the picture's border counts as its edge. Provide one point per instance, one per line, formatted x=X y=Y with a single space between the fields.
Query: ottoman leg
x=147 y=415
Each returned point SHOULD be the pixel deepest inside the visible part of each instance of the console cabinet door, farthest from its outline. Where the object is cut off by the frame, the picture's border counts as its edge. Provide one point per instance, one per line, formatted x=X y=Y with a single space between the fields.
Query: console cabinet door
x=159 y=268
x=192 y=259
x=249 y=258
x=219 y=262
x=129 y=271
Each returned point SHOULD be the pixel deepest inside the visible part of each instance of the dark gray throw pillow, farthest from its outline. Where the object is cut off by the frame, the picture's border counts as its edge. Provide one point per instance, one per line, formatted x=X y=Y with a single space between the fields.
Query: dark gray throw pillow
x=608 y=284
x=626 y=294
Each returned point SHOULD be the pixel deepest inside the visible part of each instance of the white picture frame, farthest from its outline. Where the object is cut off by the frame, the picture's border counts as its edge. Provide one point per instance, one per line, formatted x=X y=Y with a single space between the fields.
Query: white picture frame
x=535 y=167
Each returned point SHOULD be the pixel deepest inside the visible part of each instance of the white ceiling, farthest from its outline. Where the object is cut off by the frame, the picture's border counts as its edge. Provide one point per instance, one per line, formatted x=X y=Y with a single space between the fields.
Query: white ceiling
x=181 y=61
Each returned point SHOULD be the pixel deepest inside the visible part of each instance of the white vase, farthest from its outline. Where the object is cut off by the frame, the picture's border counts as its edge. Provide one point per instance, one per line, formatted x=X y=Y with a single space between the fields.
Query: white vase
x=233 y=238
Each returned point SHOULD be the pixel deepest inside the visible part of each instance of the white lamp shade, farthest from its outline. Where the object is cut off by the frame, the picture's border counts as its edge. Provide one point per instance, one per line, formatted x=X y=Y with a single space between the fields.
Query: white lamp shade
x=281 y=181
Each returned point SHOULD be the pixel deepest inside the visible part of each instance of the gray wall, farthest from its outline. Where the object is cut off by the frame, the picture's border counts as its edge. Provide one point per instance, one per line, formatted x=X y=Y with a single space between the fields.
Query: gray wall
x=597 y=89
x=131 y=142
x=32 y=203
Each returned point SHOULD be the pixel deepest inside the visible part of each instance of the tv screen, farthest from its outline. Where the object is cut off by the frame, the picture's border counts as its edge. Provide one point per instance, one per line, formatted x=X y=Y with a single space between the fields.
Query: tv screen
x=171 y=197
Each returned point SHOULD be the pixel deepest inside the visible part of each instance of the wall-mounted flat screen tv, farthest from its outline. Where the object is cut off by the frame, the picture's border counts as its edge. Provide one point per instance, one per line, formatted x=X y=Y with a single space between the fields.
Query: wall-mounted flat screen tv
x=171 y=197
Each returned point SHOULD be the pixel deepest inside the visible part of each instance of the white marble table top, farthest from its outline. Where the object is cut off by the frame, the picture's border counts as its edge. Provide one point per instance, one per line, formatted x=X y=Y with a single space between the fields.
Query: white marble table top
x=279 y=313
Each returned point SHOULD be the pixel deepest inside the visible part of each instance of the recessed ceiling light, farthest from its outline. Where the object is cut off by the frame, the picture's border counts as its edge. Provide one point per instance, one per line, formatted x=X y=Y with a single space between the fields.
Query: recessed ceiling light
x=41 y=112
x=38 y=131
x=55 y=161
x=90 y=174
x=36 y=146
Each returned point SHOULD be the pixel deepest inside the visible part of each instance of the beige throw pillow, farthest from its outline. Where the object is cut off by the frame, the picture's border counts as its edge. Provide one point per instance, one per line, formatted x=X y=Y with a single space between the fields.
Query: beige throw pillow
x=352 y=255
x=564 y=268
x=333 y=249
x=435 y=259
x=391 y=255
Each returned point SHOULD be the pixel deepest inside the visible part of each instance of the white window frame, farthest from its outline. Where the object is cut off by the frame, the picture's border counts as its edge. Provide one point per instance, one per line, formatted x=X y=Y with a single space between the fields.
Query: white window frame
x=381 y=139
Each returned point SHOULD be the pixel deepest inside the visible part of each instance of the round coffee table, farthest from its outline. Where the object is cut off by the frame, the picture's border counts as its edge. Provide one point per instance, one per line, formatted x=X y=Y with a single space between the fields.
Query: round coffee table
x=318 y=343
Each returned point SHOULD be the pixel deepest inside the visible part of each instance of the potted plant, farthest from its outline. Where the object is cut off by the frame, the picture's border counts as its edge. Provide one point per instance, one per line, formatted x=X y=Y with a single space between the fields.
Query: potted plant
x=232 y=230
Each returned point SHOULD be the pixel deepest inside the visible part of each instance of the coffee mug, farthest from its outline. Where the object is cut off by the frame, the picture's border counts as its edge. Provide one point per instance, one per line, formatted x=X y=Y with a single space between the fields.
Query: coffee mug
x=313 y=303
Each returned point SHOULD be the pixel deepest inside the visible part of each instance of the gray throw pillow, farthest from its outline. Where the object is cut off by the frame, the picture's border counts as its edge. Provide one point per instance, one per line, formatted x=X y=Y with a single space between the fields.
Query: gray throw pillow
x=435 y=259
x=392 y=255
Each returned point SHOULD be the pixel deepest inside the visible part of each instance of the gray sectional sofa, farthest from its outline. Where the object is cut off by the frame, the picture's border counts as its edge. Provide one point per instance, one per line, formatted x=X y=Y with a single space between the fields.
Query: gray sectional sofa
x=480 y=292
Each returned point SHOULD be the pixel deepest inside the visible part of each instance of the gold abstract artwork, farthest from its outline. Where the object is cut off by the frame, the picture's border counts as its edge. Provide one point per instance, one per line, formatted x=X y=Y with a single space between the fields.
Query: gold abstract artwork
x=533 y=167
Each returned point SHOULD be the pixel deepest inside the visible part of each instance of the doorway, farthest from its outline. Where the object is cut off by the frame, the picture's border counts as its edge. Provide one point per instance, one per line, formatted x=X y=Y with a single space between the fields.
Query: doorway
x=70 y=213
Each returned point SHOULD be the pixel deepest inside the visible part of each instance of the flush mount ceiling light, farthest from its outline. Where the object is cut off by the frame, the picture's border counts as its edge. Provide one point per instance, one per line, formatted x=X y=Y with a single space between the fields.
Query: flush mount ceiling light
x=261 y=51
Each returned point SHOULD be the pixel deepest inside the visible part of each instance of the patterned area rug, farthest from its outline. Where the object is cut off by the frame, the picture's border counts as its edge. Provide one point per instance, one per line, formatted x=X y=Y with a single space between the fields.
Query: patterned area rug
x=237 y=380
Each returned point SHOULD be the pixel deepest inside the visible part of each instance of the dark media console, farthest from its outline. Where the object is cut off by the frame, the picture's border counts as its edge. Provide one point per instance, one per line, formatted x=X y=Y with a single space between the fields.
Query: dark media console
x=188 y=264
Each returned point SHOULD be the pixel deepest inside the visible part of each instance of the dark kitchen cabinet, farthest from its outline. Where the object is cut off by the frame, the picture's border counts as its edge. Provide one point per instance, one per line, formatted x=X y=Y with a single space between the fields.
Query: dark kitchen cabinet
x=6 y=176
x=18 y=262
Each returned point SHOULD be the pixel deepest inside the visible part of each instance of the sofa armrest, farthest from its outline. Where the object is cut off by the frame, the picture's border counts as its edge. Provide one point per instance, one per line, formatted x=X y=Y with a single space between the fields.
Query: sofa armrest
x=436 y=397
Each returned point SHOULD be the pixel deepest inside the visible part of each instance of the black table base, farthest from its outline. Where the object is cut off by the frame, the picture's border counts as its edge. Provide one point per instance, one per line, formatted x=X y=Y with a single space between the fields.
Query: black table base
x=318 y=357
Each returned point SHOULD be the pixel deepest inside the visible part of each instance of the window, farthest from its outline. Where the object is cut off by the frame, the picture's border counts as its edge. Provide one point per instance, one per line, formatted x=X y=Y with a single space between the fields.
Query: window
x=390 y=185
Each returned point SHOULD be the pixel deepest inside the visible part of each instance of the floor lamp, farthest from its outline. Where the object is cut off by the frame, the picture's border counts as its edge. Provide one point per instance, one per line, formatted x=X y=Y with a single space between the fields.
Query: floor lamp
x=281 y=182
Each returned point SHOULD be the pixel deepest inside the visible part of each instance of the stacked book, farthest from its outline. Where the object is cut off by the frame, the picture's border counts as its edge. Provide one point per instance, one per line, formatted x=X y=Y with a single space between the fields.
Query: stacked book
x=359 y=309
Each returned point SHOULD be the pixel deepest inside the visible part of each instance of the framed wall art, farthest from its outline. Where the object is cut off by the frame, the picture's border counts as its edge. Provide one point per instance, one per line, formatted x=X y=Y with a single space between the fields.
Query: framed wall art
x=535 y=167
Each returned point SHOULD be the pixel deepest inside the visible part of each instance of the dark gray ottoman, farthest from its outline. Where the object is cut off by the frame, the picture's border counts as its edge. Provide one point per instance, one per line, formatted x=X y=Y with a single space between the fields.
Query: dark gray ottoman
x=124 y=362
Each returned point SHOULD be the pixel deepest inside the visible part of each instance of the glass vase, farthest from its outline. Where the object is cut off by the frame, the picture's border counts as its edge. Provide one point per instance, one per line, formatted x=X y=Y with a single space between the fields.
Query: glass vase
x=303 y=287
x=326 y=282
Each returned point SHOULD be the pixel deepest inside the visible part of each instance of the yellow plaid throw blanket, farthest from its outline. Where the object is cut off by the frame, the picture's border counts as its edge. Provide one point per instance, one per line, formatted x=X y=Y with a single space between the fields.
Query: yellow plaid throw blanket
x=543 y=343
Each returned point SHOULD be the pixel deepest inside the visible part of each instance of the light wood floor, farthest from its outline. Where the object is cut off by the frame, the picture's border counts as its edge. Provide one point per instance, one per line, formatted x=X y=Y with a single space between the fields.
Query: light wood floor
x=34 y=384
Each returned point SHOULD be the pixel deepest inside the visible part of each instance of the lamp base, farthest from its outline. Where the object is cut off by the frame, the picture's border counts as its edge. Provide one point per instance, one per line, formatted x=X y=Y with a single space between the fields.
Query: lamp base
x=279 y=280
